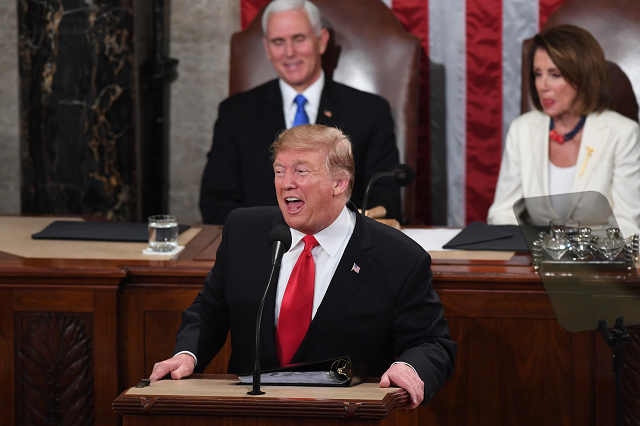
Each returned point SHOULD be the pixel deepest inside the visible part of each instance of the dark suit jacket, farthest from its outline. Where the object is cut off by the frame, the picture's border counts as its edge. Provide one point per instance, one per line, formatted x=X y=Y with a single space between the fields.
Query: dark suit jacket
x=387 y=310
x=239 y=170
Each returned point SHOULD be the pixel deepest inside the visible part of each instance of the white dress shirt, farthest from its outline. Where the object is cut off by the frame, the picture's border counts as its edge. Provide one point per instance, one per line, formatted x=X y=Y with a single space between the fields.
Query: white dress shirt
x=332 y=242
x=312 y=93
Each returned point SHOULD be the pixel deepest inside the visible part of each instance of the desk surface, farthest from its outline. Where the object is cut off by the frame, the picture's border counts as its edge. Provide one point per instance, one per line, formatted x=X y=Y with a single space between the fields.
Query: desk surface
x=201 y=243
x=230 y=387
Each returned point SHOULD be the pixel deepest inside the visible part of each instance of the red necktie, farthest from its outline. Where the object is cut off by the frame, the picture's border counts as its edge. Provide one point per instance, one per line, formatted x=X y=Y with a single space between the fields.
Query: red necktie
x=297 y=304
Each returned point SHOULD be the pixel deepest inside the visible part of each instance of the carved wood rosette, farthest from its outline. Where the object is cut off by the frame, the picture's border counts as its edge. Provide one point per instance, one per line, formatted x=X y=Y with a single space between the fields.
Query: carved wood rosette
x=54 y=368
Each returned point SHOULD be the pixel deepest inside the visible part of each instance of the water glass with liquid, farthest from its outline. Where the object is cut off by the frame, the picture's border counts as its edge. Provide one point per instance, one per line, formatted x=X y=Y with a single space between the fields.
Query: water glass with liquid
x=163 y=232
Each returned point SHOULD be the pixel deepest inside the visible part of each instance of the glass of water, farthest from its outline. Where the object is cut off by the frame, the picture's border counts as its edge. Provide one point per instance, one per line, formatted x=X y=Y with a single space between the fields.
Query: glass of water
x=163 y=232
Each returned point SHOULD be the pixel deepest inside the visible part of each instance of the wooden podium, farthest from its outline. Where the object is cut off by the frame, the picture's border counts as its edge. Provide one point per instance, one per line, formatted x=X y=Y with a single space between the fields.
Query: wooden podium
x=219 y=400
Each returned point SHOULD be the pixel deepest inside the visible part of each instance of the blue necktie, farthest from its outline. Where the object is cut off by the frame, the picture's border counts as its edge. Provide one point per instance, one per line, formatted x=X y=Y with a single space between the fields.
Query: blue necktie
x=301 y=115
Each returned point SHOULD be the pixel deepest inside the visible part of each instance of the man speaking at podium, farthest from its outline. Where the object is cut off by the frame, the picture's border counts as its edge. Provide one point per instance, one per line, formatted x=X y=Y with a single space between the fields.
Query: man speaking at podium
x=348 y=285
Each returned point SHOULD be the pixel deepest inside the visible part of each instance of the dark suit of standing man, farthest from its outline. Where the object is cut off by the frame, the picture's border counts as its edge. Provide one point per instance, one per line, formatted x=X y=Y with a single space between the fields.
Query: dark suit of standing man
x=378 y=301
x=238 y=171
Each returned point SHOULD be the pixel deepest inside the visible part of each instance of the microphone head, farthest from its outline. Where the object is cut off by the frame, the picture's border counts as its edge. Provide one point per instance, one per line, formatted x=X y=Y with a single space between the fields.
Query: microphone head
x=280 y=233
x=404 y=175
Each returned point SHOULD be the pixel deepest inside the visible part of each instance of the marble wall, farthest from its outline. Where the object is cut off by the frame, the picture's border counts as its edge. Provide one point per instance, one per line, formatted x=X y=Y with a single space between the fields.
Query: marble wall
x=9 y=115
x=200 y=36
x=77 y=107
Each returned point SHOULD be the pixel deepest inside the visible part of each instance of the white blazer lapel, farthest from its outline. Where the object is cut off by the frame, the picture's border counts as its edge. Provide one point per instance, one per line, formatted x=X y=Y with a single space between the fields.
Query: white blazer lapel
x=594 y=137
x=539 y=150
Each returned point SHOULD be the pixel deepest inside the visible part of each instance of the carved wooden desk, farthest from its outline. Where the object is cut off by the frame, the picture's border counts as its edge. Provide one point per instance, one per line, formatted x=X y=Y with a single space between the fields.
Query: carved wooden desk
x=74 y=333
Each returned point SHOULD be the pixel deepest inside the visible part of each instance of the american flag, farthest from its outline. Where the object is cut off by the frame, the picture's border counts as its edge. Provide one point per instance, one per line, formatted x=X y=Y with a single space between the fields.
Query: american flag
x=355 y=268
x=470 y=78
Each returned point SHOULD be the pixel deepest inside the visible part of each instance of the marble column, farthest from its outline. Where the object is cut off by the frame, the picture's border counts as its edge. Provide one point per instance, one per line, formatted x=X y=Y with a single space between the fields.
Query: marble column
x=200 y=38
x=78 y=107
x=9 y=123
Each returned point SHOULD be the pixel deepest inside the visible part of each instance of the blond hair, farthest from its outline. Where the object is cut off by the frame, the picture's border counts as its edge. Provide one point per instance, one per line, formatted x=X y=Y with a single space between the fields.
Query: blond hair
x=340 y=163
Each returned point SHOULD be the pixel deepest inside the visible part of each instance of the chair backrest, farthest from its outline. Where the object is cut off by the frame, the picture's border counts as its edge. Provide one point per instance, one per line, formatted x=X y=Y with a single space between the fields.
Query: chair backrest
x=368 y=50
x=616 y=26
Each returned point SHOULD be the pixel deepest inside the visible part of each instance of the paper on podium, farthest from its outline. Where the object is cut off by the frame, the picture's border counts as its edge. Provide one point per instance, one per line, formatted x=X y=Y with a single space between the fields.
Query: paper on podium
x=335 y=372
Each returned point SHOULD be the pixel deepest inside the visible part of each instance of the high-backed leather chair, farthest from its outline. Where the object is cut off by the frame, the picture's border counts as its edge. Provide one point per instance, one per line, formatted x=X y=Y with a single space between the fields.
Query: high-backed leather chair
x=374 y=54
x=616 y=26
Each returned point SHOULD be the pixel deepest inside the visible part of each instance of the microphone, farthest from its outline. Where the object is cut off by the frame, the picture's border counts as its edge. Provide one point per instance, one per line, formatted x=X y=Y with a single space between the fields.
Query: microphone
x=279 y=242
x=403 y=175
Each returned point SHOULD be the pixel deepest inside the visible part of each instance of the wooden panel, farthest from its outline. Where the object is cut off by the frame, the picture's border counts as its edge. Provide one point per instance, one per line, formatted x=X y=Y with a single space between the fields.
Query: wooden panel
x=54 y=368
x=396 y=418
x=134 y=303
x=605 y=385
x=496 y=304
x=584 y=378
x=53 y=300
x=506 y=371
x=105 y=356
x=130 y=337
x=149 y=320
x=630 y=378
x=7 y=389
x=169 y=299
x=160 y=329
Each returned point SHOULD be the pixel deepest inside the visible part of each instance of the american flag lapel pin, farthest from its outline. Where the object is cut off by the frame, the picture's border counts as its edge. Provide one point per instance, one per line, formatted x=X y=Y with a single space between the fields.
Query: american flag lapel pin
x=355 y=268
x=327 y=113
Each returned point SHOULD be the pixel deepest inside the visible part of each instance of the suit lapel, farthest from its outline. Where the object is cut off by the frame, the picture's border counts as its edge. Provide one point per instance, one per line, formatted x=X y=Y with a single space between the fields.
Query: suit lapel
x=343 y=286
x=329 y=111
x=594 y=136
x=539 y=150
x=272 y=111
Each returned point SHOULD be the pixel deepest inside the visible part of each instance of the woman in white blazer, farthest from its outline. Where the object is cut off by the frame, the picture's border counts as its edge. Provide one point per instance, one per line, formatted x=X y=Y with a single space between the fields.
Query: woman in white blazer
x=571 y=142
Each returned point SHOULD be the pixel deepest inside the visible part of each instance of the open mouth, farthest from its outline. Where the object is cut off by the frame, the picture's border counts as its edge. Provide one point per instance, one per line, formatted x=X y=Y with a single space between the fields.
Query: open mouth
x=293 y=204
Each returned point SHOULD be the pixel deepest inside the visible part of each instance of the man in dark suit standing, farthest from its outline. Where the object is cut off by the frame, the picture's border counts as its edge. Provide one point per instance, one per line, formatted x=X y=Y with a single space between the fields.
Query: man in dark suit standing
x=348 y=285
x=238 y=171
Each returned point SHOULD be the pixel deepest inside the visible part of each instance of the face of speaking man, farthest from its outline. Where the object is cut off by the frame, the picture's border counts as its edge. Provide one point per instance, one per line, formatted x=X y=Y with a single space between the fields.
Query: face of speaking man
x=294 y=49
x=309 y=197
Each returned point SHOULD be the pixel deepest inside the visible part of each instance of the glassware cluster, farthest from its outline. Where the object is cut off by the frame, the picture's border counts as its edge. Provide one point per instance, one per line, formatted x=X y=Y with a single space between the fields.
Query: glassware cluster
x=578 y=244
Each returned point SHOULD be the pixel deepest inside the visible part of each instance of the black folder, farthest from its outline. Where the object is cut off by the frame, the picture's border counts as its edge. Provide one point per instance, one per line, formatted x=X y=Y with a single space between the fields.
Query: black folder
x=334 y=372
x=480 y=236
x=97 y=231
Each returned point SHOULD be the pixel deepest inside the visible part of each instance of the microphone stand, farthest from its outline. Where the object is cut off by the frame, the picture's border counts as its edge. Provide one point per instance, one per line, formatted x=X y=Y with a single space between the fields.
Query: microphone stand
x=403 y=175
x=366 y=192
x=256 y=368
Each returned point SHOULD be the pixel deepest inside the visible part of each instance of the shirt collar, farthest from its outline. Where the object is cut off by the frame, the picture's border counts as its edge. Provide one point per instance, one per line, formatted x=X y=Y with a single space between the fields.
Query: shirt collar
x=333 y=236
x=312 y=93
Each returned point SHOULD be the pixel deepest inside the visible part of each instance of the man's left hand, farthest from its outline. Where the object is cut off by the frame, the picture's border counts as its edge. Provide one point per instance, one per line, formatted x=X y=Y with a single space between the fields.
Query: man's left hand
x=405 y=377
